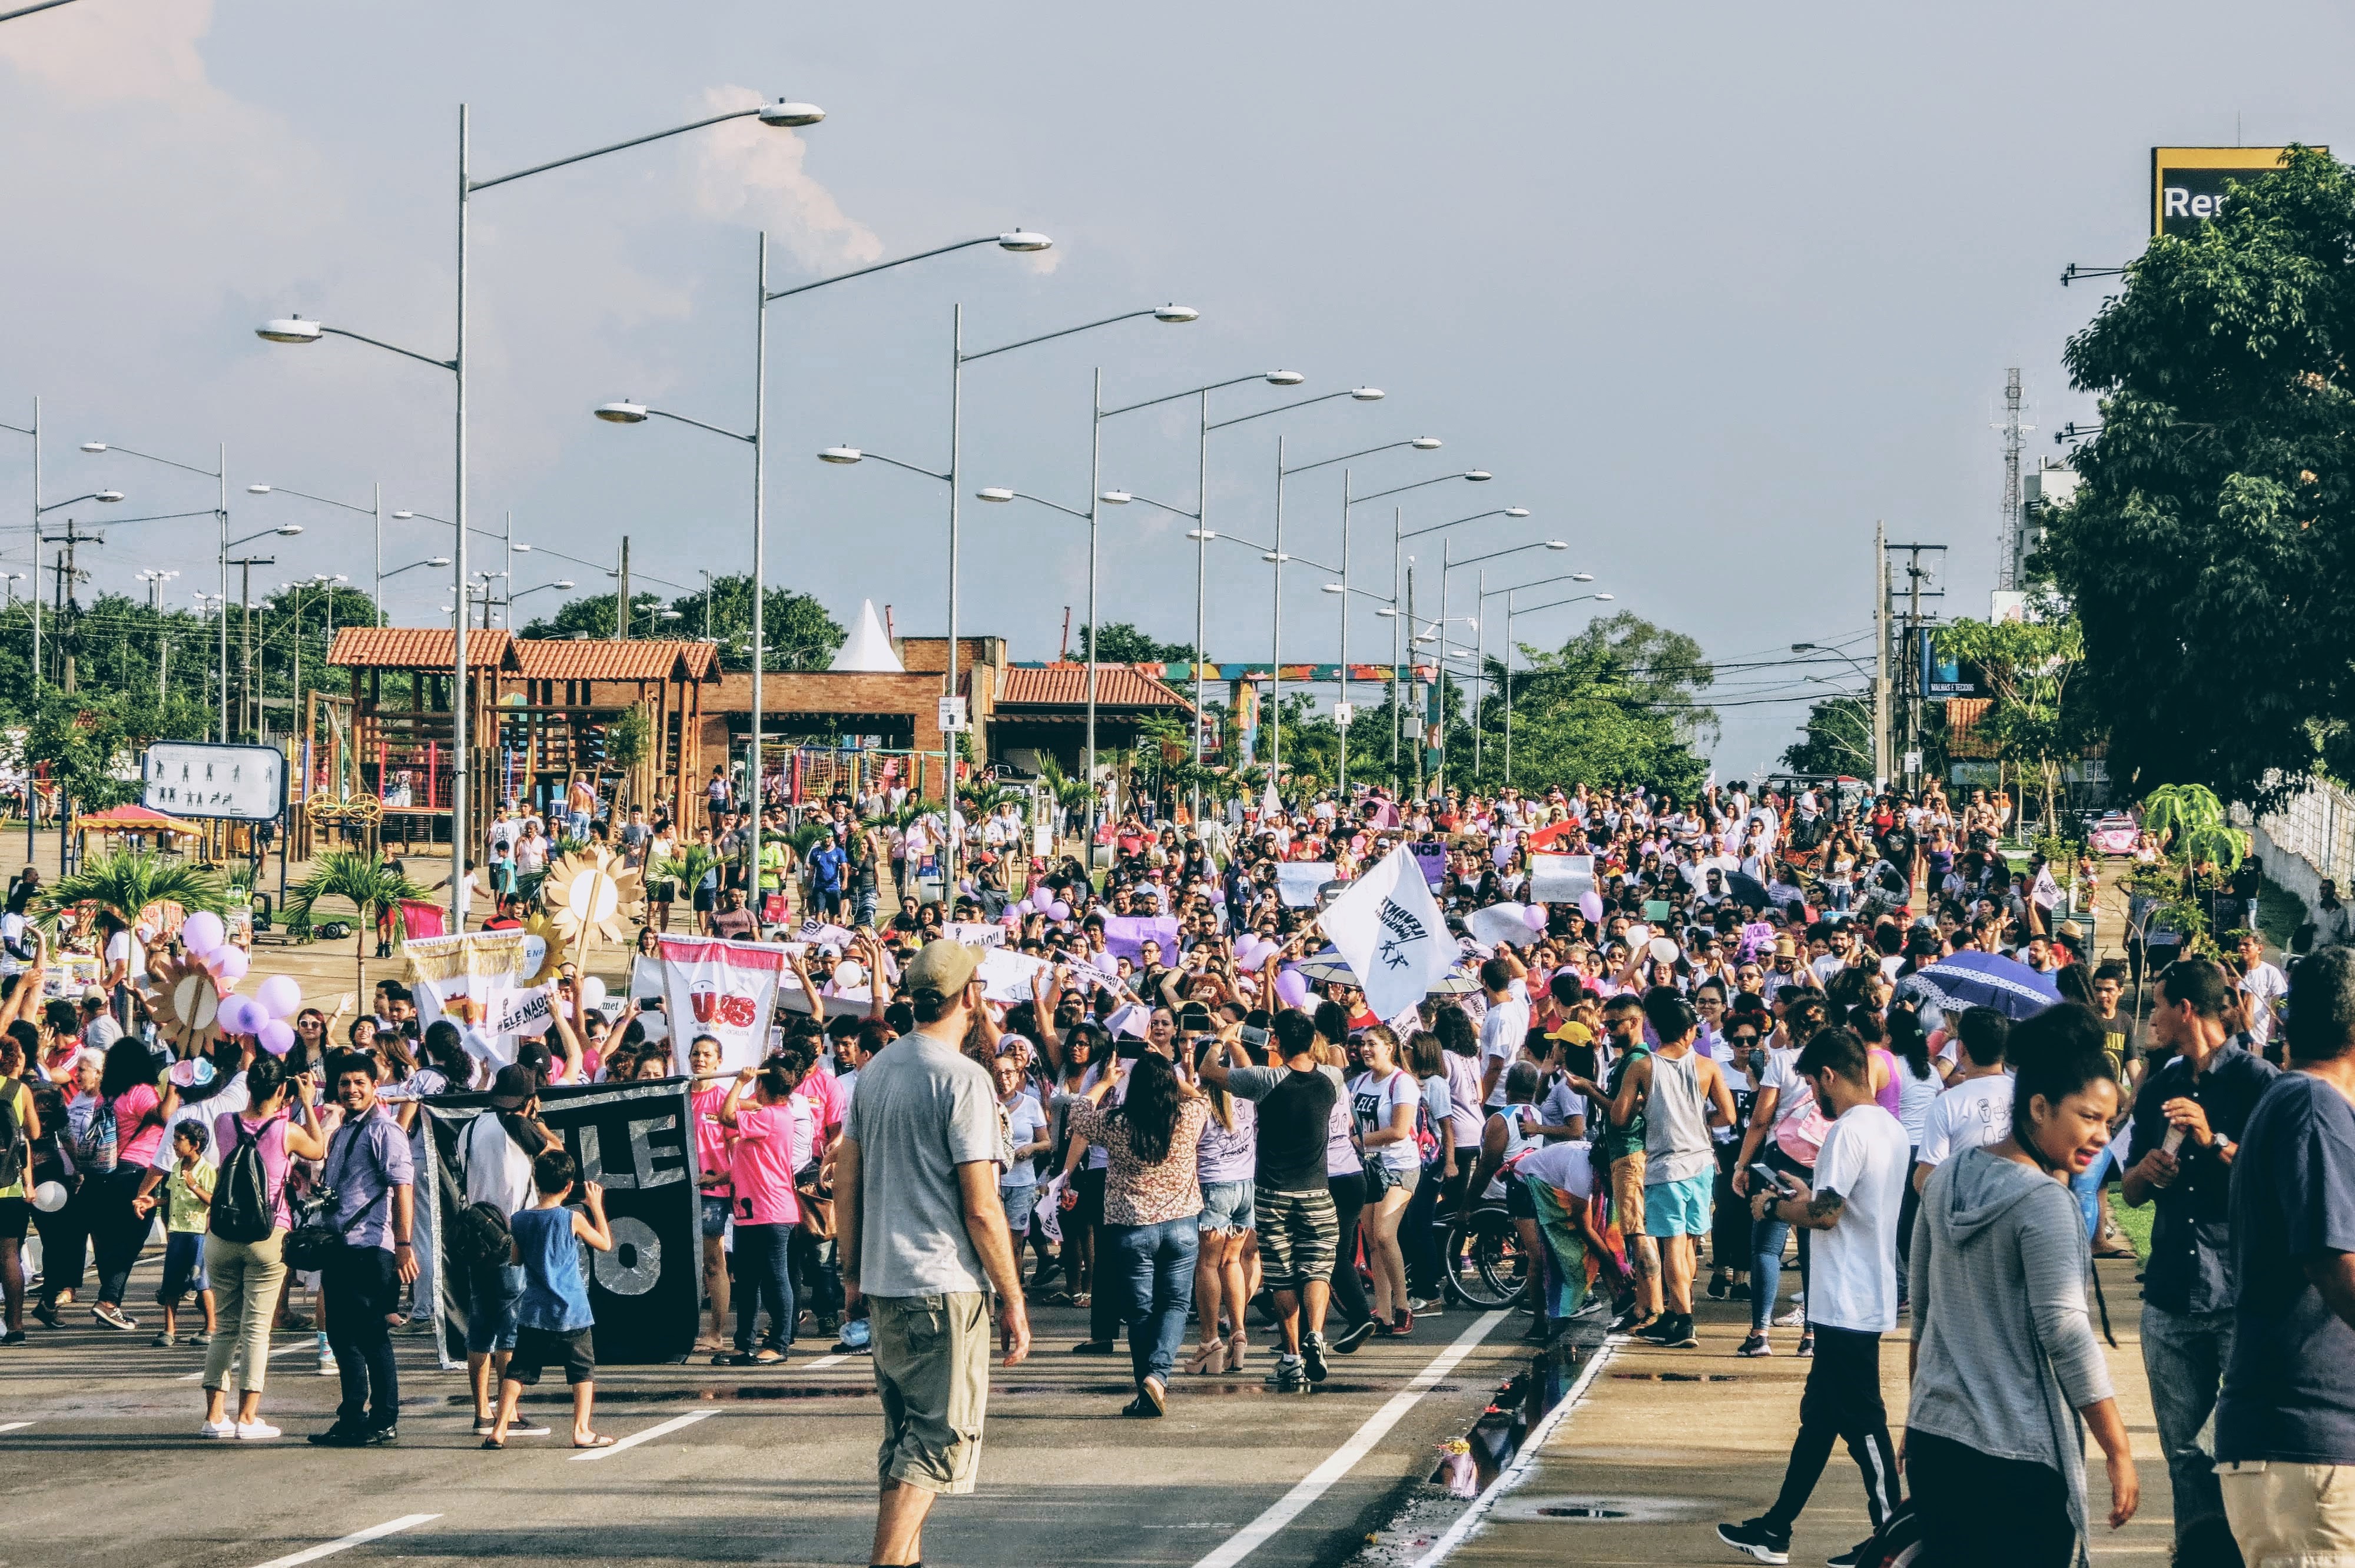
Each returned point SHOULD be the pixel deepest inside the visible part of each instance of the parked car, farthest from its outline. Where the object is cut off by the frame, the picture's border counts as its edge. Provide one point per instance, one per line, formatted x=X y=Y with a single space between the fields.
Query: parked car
x=2115 y=833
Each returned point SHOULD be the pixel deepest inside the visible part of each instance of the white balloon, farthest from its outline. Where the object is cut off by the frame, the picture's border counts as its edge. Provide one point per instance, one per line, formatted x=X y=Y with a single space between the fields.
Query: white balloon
x=49 y=1197
x=593 y=993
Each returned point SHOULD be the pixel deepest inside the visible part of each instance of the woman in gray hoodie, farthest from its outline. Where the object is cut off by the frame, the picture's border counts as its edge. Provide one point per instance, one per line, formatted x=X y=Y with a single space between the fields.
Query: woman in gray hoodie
x=2005 y=1360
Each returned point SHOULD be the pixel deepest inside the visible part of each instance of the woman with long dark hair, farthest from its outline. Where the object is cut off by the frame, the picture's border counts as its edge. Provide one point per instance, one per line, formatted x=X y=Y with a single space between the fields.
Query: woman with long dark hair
x=123 y=1135
x=248 y=1275
x=1085 y=1048
x=1151 y=1200
x=1226 y=1161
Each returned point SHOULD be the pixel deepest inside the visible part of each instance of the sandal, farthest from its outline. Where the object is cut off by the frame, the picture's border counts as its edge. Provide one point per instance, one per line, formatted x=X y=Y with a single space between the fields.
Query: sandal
x=596 y=1440
x=1208 y=1352
x=767 y=1358
x=492 y=1442
x=1081 y=1299
x=1236 y=1344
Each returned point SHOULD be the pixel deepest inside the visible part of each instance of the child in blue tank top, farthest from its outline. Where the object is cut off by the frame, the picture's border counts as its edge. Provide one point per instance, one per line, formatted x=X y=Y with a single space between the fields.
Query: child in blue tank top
x=553 y=1320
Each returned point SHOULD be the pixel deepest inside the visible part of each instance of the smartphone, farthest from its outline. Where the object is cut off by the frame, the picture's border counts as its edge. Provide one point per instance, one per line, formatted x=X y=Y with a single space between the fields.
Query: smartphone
x=1772 y=1177
x=1255 y=1038
x=1128 y=1048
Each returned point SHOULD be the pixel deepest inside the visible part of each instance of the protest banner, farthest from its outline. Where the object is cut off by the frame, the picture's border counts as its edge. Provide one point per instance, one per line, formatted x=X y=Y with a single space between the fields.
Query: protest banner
x=1297 y=882
x=1126 y=935
x=974 y=933
x=1560 y=878
x=493 y=983
x=632 y=1139
x=723 y=988
x=1431 y=856
x=1388 y=929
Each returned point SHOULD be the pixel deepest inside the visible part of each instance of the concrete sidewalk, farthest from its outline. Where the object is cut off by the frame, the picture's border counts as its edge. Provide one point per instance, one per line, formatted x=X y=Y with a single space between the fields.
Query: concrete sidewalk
x=1665 y=1444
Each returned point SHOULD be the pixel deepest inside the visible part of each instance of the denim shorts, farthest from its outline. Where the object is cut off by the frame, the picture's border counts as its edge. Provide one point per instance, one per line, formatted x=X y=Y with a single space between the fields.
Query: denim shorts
x=715 y=1216
x=1227 y=1206
x=494 y=1303
x=1019 y=1202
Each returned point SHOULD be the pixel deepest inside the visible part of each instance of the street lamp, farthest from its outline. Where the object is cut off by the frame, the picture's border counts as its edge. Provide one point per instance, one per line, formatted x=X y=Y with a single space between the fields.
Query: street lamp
x=1202 y=428
x=782 y=114
x=1017 y=240
x=375 y=509
x=1581 y=598
x=1168 y=314
x=219 y=476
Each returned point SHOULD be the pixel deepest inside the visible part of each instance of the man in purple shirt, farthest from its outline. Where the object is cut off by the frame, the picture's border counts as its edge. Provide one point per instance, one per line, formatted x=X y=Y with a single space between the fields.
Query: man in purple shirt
x=368 y=1168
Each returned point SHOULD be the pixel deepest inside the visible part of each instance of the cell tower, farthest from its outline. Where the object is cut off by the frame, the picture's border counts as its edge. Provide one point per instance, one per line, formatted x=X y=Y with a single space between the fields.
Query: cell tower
x=2007 y=539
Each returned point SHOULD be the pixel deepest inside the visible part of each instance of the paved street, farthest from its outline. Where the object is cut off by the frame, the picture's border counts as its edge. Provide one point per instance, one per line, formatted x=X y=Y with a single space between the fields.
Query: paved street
x=724 y=1464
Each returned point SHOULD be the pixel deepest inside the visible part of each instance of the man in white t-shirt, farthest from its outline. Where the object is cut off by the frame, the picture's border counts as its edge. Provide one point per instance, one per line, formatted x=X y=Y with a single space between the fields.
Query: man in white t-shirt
x=1975 y=1110
x=2263 y=985
x=1503 y=1028
x=1851 y=1291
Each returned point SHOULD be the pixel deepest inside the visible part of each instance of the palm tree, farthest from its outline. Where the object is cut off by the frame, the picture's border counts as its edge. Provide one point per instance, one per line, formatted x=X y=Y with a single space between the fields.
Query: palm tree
x=2190 y=821
x=128 y=881
x=366 y=881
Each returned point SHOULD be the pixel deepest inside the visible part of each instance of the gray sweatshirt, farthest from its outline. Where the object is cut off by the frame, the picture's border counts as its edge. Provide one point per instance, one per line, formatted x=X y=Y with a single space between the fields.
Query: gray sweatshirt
x=2005 y=1356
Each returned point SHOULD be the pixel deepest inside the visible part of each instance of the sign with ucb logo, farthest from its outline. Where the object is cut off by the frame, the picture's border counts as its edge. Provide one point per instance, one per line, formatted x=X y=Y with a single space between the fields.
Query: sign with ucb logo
x=2186 y=183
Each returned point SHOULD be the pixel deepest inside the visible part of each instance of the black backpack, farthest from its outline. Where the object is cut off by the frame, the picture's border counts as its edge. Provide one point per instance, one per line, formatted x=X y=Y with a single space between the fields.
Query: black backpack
x=15 y=1148
x=479 y=1237
x=242 y=1205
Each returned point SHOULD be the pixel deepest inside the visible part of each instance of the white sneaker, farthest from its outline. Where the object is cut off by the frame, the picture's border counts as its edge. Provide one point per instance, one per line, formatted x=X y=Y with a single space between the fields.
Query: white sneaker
x=218 y=1429
x=1797 y=1317
x=328 y=1367
x=255 y=1431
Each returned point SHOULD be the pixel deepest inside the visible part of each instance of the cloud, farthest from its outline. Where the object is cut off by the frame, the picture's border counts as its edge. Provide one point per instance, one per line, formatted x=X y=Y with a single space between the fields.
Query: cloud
x=93 y=55
x=748 y=170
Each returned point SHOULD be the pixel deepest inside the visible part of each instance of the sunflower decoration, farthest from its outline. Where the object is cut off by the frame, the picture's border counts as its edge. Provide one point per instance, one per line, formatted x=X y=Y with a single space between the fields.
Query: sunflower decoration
x=543 y=950
x=587 y=893
x=185 y=1003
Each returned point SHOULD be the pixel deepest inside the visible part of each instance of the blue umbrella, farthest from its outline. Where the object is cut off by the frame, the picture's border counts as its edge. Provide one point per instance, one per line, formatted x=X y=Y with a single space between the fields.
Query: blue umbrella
x=1980 y=979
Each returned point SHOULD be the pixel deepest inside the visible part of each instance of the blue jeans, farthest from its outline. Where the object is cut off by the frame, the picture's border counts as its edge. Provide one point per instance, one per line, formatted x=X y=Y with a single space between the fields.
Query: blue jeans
x=2185 y=1355
x=765 y=1276
x=1766 y=1239
x=494 y=1298
x=2088 y=1190
x=1152 y=1269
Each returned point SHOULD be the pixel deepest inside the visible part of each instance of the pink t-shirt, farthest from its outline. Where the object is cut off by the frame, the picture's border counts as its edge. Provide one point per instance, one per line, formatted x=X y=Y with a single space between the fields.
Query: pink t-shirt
x=818 y=1088
x=770 y=1143
x=711 y=1138
x=137 y=1150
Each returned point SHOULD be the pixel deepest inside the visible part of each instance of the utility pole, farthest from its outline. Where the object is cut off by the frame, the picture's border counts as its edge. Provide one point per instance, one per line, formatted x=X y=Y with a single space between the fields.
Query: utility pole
x=1912 y=639
x=68 y=575
x=245 y=704
x=621 y=594
x=1882 y=771
x=2007 y=539
x=1414 y=724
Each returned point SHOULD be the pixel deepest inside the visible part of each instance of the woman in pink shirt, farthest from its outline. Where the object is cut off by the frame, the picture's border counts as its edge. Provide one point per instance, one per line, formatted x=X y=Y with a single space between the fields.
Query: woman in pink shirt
x=771 y=1139
x=718 y=1196
x=129 y=1102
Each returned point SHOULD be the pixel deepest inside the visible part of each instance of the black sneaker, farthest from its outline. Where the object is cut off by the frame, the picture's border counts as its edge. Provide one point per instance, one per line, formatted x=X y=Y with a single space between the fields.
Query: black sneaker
x=1680 y=1334
x=384 y=1436
x=1289 y=1376
x=1625 y=1322
x=1347 y=1340
x=1854 y=1557
x=1807 y=1343
x=338 y=1436
x=1312 y=1352
x=1660 y=1330
x=47 y=1312
x=1718 y=1285
x=1759 y=1539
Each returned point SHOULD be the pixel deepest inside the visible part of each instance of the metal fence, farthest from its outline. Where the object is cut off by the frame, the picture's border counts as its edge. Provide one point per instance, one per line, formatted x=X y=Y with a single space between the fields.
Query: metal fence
x=2312 y=836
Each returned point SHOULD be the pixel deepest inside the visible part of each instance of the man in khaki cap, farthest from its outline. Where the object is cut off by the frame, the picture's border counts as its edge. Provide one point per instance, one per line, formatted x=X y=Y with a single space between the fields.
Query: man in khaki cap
x=921 y=1228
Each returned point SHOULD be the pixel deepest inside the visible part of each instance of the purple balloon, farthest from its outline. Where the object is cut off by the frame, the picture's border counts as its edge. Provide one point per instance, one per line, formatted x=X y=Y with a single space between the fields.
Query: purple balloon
x=280 y=995
x=277 y=1037
x=1535 y=914
x=1292 y=988
x=236 y=1014
x=202 y=932
x=229 y=963
x=1060 y=910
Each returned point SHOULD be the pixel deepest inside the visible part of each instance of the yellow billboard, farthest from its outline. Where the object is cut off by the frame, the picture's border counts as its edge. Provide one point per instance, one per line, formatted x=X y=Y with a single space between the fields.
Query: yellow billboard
x=2186 y=182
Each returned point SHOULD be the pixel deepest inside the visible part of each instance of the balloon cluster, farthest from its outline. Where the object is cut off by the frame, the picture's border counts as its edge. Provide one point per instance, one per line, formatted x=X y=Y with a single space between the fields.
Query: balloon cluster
x=263 y=1014
x=1042 y=901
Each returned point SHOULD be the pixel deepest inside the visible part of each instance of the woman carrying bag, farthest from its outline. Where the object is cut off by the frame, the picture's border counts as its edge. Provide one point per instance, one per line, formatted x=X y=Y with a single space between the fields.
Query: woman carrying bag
x=244 y=1247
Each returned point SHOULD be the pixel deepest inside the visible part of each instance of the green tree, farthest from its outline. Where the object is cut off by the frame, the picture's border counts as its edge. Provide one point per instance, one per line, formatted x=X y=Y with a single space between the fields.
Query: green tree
x=89 y=742
x=1621 y=702
x=1124 y=644
x=127 y=881
x=2038 y=718
x=592 y=617
x=366 y=881
x=1837 y=739
x=798 y=631
x=2210 y=552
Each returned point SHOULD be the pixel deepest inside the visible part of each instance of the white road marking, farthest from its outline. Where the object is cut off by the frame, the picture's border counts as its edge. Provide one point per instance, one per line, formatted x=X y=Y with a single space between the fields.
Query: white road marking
x=1514 y=1473
x=14 y=1426
x=823 y=1362
x=358 y=1538
x=659 y=1429
x=303 y=1344
x=1344 y=1460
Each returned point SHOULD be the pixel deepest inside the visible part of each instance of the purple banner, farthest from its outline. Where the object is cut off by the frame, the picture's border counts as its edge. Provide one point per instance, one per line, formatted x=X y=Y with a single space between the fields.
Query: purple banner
x=1432 y=858
x=1126 y=935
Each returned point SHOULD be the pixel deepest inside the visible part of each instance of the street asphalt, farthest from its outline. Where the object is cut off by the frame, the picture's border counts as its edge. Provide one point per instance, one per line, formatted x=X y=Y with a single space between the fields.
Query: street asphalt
x=730 y=1464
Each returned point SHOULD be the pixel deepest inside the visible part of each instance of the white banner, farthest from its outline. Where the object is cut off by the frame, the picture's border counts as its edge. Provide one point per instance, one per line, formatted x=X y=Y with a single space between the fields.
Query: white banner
x=477 y=981
x=1006 y=977
x=726 y=989
x=1297 y=882
x=1499 y=923
x=1388 y=930
x=1560 y=878
x=974 y=934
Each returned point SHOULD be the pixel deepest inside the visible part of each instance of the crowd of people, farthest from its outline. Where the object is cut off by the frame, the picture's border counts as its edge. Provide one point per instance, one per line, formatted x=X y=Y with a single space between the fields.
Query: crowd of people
x=1724 y=1040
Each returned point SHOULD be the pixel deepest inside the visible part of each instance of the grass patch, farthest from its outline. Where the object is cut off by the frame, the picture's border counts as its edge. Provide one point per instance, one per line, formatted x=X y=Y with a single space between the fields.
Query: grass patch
x=2135 y=1222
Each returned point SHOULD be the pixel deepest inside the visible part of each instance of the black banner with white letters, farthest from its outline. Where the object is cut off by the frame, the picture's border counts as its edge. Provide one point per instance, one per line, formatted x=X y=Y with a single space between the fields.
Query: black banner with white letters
x=635 y=1139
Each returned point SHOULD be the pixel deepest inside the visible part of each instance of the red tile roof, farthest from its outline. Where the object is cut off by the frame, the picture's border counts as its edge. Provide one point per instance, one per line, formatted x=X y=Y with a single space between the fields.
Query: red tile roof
x=418 y=647
x=1962 y=715
x=1066 y=685
x=554 y=660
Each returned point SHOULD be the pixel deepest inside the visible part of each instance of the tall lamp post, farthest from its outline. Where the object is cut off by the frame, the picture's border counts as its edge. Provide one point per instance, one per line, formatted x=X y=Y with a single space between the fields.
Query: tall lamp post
x=1400 y=589
x=627 y=413
x=1480 y=643
x=219 y=476
x=375 y=509
x=295 y=330
x=1170 y=315
x=1556 y=604
x=1447 y=564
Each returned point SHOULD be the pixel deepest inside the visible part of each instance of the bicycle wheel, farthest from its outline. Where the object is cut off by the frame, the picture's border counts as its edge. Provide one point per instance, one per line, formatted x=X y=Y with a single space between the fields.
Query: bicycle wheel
x=1485 y=1265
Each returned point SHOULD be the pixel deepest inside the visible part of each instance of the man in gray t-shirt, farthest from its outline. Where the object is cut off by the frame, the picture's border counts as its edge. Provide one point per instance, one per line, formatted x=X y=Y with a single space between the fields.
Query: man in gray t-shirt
x=921 y=1228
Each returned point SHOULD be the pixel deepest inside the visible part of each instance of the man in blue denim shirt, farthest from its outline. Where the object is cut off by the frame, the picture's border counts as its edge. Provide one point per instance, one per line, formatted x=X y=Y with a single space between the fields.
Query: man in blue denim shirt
x=367 y=1168
x=2207 y=1092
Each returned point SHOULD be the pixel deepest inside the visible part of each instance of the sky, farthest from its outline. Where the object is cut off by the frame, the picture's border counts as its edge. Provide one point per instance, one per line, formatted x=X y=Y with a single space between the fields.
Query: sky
x=1711 y=290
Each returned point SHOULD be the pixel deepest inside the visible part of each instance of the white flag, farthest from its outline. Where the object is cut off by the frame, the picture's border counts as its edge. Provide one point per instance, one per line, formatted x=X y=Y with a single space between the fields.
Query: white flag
x=1388 y=930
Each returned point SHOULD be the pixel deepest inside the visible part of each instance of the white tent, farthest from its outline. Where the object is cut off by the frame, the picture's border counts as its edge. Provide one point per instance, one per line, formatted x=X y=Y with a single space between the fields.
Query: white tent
x=867 y=650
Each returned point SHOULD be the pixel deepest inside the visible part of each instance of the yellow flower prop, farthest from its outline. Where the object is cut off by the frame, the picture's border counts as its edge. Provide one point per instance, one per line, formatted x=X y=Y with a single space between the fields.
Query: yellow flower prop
x=587 y=893
x=187 y=1005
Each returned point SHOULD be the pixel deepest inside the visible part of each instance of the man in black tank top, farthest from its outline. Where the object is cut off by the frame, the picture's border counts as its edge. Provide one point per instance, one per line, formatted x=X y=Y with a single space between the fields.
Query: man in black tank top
x=1299 y=1230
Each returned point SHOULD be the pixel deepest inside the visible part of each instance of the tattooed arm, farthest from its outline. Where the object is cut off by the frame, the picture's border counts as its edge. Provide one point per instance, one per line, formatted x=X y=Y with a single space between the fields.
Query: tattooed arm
x=1815 y=1211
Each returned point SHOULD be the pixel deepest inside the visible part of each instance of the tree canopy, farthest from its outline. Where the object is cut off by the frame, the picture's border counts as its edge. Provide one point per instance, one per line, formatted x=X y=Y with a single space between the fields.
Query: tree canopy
x=799 y=634
x=1619 y=703
x=1124 y=644
x=2210 y=553
x=1837 y=738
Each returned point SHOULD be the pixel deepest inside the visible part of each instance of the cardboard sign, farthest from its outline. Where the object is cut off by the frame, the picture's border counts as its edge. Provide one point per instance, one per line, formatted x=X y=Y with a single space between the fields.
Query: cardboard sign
x=635 y=1140
x=1561 y=878
x=1297 y=882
